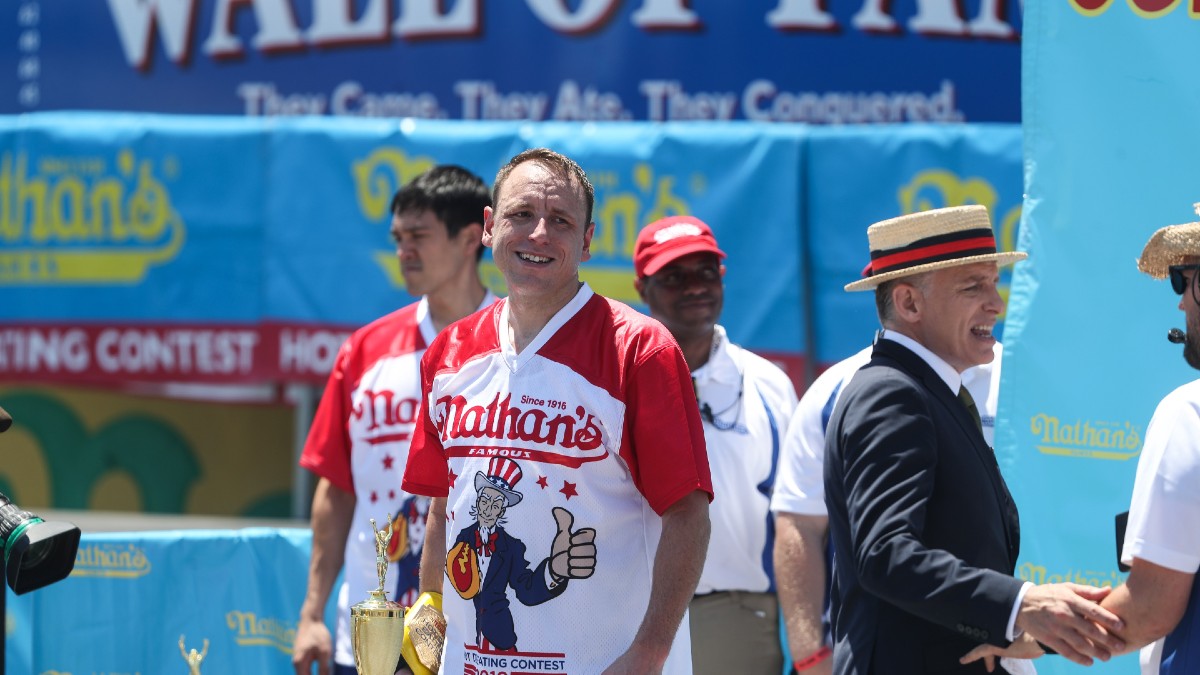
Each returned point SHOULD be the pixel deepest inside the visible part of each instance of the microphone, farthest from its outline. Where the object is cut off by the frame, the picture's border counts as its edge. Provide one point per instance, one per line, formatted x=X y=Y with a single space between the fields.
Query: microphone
x=5 y=420
x=1174 y=336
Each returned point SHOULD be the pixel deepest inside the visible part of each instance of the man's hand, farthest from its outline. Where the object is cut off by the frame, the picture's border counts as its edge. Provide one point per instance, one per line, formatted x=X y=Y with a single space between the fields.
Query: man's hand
x=1067 y=618
x=573 y=554
x=1025 y=647
x=313 y=645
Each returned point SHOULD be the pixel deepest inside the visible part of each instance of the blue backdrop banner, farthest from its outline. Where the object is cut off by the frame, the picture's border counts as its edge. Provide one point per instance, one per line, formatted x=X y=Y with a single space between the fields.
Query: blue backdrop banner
x=1109 y=98
x=200 y=248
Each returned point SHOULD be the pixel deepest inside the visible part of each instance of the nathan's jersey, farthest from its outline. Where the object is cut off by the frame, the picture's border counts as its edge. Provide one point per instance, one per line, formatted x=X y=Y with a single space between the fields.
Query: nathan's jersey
x=359 y=441
x=593 y=425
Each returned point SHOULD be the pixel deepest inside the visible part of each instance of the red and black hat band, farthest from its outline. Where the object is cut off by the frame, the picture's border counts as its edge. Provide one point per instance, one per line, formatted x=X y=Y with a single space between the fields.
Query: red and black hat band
x=951 y=246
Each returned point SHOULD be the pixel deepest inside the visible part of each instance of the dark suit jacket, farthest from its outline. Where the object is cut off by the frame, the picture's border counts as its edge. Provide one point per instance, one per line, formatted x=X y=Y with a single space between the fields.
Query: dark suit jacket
x=925 y=532
x=508 y=567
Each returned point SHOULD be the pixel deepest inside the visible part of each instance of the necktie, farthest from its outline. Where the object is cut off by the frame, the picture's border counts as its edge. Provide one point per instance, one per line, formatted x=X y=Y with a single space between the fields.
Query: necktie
x=965 y=397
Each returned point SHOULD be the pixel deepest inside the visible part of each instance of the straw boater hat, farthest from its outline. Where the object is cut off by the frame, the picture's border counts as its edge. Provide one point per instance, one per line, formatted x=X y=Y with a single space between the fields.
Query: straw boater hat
x=930 y=240
x=1171 y=245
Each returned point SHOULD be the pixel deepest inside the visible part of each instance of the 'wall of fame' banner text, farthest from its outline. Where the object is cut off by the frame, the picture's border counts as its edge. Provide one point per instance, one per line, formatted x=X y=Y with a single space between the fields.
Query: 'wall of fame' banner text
x=1109 y=96
x=592 y=60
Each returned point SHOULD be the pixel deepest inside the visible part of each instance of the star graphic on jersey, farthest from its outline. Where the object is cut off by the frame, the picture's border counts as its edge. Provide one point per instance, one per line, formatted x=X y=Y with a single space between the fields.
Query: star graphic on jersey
x=453 y=477
x=542 y=482
x=374 y=497
x=391 y=494
x=387 y=462
x=568 y=489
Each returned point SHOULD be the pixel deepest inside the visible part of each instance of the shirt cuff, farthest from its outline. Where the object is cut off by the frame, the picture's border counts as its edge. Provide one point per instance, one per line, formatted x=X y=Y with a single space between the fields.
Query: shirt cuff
x=1011 y=633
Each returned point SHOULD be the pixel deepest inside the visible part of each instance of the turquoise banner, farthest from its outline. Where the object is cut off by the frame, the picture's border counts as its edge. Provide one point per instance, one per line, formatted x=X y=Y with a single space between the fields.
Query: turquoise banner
x=1109 y=107
x=131 y=597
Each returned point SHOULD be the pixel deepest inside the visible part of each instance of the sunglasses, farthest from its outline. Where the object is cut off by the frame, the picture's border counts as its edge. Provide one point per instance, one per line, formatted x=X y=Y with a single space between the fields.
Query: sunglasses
x=1179 y=283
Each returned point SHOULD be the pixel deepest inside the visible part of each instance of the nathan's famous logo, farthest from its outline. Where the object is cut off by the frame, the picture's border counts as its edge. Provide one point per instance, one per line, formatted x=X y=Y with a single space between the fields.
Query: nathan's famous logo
x=73 y=220
x=1085 y=438
x=382 y=413
x=938 y=188
x=124 y=561
x=621 y=210
x=500 y=419
x=1039 y=574
x=251 y=630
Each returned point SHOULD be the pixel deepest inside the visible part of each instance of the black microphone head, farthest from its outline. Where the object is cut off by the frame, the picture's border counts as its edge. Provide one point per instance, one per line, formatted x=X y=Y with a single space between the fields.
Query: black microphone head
x=5 y=420
x=1176 y=336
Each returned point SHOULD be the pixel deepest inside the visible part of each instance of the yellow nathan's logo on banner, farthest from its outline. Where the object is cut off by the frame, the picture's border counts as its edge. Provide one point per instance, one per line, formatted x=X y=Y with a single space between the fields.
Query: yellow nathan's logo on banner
x=84 y=219
x=251 y=630
x=1095 y=439
x=1040 y=574
x=124 y=561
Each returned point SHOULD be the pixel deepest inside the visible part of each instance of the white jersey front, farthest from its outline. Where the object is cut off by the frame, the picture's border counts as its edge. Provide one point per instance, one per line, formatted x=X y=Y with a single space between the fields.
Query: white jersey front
x=593 y=425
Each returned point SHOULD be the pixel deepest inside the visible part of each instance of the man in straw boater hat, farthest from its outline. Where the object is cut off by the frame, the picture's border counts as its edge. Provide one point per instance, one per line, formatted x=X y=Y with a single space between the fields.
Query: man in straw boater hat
x=925 y=532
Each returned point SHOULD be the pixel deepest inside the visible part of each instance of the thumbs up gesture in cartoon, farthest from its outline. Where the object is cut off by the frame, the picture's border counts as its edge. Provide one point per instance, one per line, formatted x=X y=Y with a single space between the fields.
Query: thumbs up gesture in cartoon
x=573 y=554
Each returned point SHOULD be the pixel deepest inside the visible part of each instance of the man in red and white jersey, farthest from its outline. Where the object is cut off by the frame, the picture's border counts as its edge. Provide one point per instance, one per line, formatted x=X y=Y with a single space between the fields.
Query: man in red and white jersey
x=358 y=443
x=562 y=443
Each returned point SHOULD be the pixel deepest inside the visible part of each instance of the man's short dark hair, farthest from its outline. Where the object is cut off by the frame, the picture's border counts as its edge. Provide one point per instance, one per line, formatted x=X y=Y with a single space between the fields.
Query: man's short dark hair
x=456 y=197
x=884 y=306
x=557 y=162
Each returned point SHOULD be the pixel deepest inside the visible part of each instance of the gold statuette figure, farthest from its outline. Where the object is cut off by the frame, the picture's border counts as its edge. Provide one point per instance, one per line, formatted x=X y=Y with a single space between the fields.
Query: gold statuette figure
x=193 y=657
x=377 y=624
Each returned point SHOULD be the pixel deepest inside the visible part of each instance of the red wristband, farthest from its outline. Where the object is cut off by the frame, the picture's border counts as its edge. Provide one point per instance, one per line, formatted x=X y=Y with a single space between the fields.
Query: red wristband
x=813 y=659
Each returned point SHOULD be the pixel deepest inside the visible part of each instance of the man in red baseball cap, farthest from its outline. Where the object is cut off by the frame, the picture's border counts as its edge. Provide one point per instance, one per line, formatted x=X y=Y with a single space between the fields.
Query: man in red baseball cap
x=745 y=404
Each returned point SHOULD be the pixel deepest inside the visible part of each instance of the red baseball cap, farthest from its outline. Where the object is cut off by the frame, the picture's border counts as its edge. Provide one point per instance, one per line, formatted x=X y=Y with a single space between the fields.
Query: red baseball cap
x=669 y=239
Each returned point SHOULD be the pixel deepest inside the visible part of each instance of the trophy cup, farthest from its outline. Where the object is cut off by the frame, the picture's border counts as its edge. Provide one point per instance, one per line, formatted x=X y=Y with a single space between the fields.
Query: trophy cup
x=377 y=624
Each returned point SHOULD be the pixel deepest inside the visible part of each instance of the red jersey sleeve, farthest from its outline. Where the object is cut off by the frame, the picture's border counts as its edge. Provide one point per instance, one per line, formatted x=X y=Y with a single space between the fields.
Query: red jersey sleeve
x=668 y=458
x=427 y=472
x=327 y=448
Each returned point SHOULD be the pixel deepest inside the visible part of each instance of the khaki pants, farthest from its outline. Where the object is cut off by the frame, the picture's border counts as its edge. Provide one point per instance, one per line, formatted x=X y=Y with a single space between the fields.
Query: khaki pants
x=735 y=632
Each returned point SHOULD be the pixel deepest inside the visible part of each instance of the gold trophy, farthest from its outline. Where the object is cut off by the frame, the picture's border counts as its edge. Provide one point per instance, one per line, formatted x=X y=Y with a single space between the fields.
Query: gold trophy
x=377 y=624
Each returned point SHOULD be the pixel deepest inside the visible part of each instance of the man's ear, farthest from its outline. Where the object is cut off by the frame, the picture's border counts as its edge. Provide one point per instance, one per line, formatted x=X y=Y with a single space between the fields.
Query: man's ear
x=472 y=235
x=908 y=302
x=489 y=221
x=640 y=284
x=587 y=242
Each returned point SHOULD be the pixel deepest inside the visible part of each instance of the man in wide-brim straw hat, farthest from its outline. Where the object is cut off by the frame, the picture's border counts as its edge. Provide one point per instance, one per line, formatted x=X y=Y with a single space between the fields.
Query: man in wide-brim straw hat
x=1162 y=540
x=925 y=532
